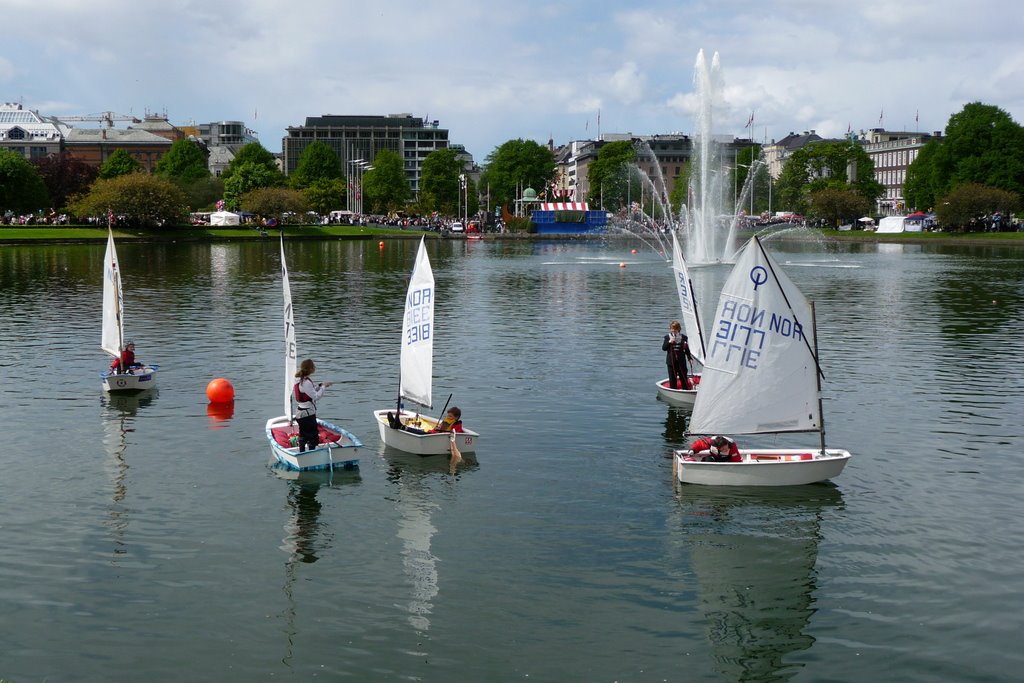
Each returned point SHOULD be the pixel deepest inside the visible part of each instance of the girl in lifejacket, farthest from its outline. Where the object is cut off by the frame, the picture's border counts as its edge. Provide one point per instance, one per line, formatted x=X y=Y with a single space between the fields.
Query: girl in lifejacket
x=306 y=395
x=718 y=449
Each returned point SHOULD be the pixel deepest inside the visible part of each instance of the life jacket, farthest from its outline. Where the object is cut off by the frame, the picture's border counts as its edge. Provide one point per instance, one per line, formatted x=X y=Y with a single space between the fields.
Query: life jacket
x=301 y=397
x=303 y=401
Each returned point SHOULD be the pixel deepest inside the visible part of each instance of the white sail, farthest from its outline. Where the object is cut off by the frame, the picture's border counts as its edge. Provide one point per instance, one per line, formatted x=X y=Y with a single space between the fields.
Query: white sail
x=760 y=371
x=418 y=333
x=289 y=336
x=687 y=302
x=113 y=307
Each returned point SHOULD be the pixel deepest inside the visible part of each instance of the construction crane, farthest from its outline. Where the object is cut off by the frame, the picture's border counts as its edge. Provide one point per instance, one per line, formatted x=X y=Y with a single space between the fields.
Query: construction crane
x=107 y=117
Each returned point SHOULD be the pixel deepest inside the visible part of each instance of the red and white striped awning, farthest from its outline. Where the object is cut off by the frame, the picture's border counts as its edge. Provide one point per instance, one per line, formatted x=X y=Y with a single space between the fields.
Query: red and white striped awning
x=564 y=206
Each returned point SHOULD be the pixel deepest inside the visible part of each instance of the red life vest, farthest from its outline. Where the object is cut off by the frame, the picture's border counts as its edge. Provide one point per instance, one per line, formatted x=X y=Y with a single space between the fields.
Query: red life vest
x=300 y=396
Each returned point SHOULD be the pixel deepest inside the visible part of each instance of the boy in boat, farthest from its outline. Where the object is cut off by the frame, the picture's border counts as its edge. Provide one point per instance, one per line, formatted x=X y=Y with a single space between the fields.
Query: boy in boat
x=716 y=449
x=126 y=361
x=677 y=353
x=452 y=422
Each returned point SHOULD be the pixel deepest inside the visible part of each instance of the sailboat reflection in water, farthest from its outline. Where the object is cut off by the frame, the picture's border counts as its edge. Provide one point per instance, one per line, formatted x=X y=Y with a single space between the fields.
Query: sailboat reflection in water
x=420 y=484
x=753 y=557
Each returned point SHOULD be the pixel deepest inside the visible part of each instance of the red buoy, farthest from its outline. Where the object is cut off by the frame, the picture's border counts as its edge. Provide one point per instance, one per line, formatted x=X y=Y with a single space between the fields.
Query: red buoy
x=219 y=390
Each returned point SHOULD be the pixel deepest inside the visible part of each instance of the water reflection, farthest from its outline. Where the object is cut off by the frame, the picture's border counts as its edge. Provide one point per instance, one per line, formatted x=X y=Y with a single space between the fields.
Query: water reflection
x=420 y=484
x=675 y=426
x=118 y=414
x=220 y=413
x=305 y=536
x=753 y=555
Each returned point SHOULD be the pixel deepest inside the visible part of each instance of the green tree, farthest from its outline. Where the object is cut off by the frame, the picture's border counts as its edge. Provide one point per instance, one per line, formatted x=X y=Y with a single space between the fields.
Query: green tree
x=610 y=175
x=837 y=206
x=515 y=166
x=254 y=153
x=203 y=194
x=143 y=200
x=247 y=177
x=21 y=188
x=288 y=206
x=385 y=188
x=185 y=163
x=439 y=183
x=982 y=145
x=826 y=165
x=317 y=162
x=680 y=194
x=64 y=177
x=118 y=164
x=325 y=195
x=966 y=204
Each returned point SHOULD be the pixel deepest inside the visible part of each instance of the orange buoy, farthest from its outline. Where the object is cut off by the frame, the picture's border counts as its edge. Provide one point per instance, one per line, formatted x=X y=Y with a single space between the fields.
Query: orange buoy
x=622 y=265
x=219 y=390
x=381 y=244
x=633 y=252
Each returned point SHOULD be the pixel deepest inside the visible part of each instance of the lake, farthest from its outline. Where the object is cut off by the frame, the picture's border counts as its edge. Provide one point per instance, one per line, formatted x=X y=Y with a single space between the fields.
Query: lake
x=149 y=538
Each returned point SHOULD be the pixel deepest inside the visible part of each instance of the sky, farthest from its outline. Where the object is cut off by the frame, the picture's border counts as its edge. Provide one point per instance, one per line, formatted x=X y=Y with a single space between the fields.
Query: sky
x=490 y=71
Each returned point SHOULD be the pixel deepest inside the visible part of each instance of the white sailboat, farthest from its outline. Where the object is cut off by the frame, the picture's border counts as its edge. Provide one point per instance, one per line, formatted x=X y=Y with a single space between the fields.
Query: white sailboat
x=690 y=321
x=338 y=447
x=127 y=380
x=761 y=377
x=417 y=367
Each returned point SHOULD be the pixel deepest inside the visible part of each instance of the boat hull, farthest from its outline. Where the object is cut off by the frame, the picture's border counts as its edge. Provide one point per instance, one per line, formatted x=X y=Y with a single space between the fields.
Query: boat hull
x=143 y=379
x=763 y=467
x=678 y=397
x=341 y=452
x=423 y=444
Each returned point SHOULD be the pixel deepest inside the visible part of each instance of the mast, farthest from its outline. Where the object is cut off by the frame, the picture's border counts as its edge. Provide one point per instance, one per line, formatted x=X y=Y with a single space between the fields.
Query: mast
x=817 y=377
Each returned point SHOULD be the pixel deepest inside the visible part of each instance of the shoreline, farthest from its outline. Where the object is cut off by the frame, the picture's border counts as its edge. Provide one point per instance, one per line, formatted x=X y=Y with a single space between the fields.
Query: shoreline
x=98 y=235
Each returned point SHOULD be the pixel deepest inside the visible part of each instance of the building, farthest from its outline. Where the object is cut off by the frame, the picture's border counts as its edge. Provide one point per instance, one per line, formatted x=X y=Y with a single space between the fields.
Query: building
x=777 y=154
x=26 y=132
x=95 y=145
x=892 y=153
x=222 y=139
x=358 y=139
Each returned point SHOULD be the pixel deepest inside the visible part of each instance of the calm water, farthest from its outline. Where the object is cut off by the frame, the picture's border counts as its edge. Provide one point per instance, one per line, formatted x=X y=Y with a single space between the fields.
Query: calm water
x=149 y=538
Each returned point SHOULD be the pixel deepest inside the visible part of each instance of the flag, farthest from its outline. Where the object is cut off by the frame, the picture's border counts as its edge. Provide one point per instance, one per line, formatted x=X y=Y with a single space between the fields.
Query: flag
x=917 y=114
x=880 y=113
x=849 y=128
x=110 y=217
x=750 y=121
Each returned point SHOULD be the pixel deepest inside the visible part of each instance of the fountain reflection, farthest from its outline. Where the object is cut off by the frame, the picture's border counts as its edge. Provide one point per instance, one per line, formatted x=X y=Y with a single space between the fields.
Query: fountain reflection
x=753 y=555
x=420 y=484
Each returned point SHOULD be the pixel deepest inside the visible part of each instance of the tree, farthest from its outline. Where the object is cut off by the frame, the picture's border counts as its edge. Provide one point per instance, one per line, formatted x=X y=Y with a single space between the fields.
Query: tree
x=254 y=153
x=276 y=202
x=826 y=165
x=118 y=164
x=185 y=163
x=385 y=188
x=317 y=162
x=439 y=182
x=609 y=174
x=965 y=205
x=64 y=177
x=837 y=206
x=247 y=177
x=982 y=145
x=21 y=188
x=140 y=199
x=514 y=166
x=203 y=194
x=325 y=195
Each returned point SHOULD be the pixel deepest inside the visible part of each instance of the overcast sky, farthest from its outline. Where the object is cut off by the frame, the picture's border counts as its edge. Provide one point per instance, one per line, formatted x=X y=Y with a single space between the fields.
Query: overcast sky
x=492 y=70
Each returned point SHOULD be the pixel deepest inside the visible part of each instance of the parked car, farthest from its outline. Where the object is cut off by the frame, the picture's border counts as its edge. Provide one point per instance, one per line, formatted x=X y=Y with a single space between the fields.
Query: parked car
x=457 y=227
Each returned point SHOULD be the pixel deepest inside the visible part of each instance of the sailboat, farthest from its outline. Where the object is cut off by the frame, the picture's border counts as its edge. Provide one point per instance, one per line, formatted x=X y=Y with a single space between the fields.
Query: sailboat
x=130 y=380
x=762 y=377
x=690 y=320
x=338 y=447
x=416 y=377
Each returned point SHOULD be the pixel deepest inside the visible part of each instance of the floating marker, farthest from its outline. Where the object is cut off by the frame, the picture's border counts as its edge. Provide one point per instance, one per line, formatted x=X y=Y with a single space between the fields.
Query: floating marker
x=219 y=390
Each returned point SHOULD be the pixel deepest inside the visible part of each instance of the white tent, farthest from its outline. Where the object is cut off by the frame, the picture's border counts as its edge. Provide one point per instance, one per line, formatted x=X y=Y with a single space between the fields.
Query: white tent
x=223 y=218
x=891 y=224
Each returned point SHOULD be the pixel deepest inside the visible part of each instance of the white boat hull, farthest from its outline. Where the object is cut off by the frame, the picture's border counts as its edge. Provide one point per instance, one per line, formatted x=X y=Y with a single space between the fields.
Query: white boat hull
x=343 y=453
x=422 y=444
x=679 y=397
x=763 y=467
x=142 y=379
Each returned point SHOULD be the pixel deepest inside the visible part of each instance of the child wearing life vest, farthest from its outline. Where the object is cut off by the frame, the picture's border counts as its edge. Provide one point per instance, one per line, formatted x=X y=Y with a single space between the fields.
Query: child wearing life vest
x=719 y=449
x=306 y=395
